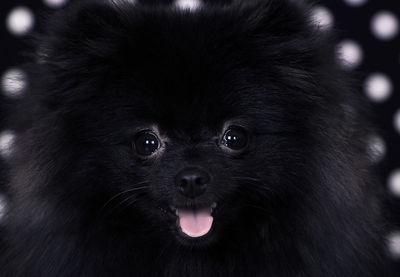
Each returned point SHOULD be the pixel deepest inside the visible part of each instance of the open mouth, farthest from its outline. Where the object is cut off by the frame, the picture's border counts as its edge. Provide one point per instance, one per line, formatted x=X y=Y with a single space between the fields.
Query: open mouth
x=195 y=222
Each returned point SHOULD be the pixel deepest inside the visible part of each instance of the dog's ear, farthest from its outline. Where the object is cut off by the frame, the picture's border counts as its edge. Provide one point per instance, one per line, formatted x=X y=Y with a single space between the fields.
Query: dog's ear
x=277 y=17
x=87 y=30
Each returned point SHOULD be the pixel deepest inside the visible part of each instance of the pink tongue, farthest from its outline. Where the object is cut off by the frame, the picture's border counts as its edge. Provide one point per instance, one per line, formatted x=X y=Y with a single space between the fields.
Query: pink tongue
x=195 y=223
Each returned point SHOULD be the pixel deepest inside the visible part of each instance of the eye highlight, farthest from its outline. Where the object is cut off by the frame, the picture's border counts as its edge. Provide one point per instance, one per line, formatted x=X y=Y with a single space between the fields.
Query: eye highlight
x=146 y=143
x=235 y=138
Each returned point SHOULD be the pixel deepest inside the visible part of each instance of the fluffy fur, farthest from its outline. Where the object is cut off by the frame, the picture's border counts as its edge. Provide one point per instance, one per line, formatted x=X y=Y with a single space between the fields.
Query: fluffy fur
x=300 y=201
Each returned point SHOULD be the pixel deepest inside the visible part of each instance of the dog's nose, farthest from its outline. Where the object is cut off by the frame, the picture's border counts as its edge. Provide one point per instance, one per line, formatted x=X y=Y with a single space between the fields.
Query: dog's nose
x=192 y=182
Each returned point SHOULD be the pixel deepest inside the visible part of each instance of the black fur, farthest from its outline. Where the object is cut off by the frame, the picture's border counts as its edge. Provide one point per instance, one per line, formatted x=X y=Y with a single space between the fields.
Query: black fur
x=300 y=201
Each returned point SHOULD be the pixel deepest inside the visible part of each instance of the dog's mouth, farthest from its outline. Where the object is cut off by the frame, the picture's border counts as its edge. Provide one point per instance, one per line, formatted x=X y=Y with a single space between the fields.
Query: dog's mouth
x=194 y=222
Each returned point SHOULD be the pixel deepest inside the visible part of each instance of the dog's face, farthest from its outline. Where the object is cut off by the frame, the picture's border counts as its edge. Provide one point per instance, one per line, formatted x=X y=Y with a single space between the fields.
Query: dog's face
x=197 y=159
x=195 y=154
x=200 y=133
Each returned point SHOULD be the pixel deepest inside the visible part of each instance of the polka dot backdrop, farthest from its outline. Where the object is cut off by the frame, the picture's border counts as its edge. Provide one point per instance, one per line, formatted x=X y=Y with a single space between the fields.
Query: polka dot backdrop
x=369 y=45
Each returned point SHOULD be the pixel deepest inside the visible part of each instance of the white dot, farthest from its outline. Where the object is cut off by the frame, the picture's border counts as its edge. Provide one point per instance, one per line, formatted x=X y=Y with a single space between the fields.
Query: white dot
x=376 y=148
x=191 y=5
x=13 y=82
x=7 y=139
x=3 y=206
x=20 y=21
x=394 y=182
x=355 y=3
x=55 y=3
x=385 y=25
x=119 y=2
x=394 y=244
x=350 y=54
x=322 y=17
x=396 y=121
x=378 y=87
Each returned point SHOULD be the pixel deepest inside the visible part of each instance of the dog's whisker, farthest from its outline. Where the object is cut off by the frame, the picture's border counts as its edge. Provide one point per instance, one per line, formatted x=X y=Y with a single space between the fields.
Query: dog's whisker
x=255 y=183
x=121 y=194
x=124 y=192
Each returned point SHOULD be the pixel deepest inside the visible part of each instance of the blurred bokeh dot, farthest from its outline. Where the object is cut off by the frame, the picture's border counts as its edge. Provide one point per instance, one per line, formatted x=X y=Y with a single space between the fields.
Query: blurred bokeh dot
x=55 y=3
x=378 y=87
x=376 y=148
x=394 y=244
x=7 y=139
x=322 y=17
x=13 y=82
x=385 y=25
x=188 y=4
x=350 y=54
x=355 y=3
x=3 y=206
x=394 y=182
x=396 y=121
x=20 y=21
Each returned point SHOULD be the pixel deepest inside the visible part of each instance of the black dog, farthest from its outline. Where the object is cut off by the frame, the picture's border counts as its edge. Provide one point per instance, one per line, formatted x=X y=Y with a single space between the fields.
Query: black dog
x=218 y=141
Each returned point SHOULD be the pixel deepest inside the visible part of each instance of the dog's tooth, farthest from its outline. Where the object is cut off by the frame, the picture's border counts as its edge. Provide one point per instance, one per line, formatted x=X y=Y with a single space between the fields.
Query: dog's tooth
x=176 y=212
x=213 y=205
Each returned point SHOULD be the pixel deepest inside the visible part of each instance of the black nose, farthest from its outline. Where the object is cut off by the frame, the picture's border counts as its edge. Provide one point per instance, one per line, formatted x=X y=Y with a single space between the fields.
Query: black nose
x=192 y=182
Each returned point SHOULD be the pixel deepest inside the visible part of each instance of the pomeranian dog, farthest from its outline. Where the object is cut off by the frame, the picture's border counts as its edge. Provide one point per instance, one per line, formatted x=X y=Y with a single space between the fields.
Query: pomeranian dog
x=222 y=139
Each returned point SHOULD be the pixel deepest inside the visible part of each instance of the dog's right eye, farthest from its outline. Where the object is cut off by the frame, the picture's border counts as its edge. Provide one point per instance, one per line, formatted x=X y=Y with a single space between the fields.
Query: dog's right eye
x=235 y=138
x=146 y=143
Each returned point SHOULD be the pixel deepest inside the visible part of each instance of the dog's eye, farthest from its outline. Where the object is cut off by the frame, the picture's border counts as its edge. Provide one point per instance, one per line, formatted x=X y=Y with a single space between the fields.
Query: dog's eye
x=146 y=143
x=235 y=138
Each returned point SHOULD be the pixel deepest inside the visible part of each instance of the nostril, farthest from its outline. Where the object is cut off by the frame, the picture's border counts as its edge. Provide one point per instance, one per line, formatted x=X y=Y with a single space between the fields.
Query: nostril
x=184 y=183
x=199 y=181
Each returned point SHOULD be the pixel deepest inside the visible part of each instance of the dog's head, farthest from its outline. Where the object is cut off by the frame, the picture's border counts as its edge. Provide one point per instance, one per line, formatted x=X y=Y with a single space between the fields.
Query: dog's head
x=195 y=121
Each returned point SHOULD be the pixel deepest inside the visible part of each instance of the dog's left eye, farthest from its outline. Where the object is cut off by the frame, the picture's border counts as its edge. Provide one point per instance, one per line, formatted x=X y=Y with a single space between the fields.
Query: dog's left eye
x=146 y=143
x=235 y=138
